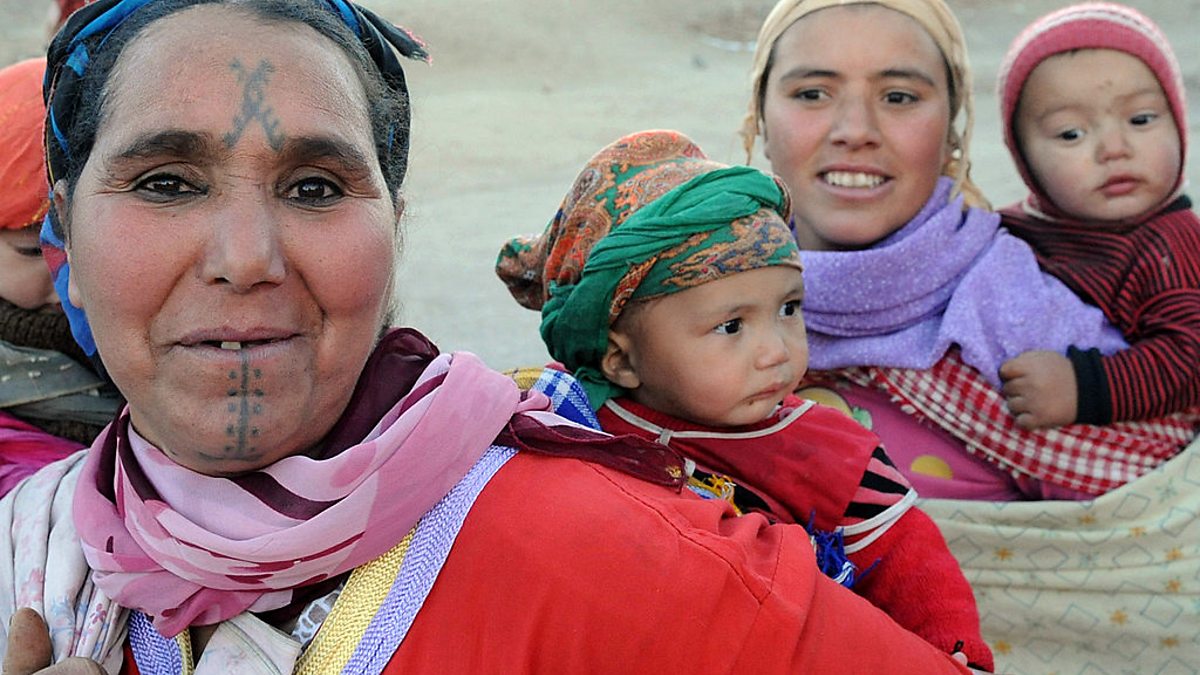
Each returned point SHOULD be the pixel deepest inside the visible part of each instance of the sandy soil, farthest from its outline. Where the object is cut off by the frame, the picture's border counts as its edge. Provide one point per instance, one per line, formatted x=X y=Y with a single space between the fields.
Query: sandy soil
x=522 y=92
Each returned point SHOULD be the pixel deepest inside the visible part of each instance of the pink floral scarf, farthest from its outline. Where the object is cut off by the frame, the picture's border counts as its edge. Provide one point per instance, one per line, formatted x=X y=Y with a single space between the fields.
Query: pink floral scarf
x=258 y=541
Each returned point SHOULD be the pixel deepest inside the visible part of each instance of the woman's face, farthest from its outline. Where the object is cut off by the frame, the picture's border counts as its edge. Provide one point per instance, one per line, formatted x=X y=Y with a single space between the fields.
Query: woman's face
x=232 y=240
x=856 y=117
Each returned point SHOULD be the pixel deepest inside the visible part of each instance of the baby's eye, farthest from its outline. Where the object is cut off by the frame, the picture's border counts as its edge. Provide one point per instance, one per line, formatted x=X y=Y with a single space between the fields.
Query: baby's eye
x=29 y=251
x=163 y=187
x=315 y=191
x=1142 y=119
x=790 y=308
x=1070 y=134
x=730 y=327
x=900 y=97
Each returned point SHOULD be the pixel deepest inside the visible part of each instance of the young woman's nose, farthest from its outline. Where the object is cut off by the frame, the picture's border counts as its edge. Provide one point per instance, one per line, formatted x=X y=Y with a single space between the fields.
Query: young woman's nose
x=245 y=249
x=854 y=123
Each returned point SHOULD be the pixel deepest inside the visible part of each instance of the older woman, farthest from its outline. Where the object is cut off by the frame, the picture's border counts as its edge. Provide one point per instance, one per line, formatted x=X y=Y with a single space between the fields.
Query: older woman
x=293 y=489
x=913 y=292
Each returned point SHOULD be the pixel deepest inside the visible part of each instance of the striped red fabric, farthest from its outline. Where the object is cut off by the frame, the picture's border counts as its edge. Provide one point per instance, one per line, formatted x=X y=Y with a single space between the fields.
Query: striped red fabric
x=1092 y=459
x=1147 y=282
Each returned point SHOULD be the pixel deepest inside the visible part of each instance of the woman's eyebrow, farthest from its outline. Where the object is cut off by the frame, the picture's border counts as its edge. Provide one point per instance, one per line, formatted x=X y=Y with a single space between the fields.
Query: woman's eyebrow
x=300 y=149
x=804 y=72
x=907 y=74
x=171 y=143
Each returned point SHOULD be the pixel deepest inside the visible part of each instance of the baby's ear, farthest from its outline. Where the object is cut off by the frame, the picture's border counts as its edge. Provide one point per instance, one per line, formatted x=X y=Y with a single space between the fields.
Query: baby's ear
x=618 y=363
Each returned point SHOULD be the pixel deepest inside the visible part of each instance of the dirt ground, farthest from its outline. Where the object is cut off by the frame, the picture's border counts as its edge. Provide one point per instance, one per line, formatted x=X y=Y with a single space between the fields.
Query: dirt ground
x=522 y=92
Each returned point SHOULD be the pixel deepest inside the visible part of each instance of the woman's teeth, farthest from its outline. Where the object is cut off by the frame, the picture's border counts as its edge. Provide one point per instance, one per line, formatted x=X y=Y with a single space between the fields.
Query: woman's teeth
x=232 y=346
x=853 y=179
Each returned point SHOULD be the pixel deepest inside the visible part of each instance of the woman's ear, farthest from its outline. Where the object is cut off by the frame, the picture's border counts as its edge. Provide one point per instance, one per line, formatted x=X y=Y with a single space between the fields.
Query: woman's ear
x=619 y=363
x=62 y=217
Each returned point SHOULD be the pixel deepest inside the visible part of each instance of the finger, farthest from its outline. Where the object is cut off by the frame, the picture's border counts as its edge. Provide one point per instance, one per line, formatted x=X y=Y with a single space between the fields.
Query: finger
x=1028 y=421
x=28 y=643
x=1016 y=405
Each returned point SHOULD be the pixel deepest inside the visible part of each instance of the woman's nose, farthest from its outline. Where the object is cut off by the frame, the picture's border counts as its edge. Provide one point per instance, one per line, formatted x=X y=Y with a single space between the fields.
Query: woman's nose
x=854 y=123
x=245 y=248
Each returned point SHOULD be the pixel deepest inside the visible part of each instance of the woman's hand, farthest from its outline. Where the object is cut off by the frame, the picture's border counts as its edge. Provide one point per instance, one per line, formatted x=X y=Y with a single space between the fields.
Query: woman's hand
x=29 y=649
x=1040 y=389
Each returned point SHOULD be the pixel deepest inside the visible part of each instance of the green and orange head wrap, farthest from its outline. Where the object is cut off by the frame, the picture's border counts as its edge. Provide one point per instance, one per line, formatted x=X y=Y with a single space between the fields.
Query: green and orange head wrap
x=649 y=215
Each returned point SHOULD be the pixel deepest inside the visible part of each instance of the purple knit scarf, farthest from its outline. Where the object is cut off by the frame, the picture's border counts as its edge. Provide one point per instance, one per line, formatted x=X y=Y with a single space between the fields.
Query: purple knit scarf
x=947 y=277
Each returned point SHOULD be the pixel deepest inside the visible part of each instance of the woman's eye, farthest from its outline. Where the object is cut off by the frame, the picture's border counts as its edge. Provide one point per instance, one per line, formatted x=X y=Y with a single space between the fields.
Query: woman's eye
x=166 y=187
x=790 y=308
x=1070 y=135
x=809 y=95
x=729 y=327
x=315 y=191
x=900 y=97
x=1142 y=119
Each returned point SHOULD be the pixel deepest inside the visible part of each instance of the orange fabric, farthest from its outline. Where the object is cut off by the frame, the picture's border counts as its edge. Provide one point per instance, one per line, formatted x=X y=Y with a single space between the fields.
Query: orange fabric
x=22 y=161
x=567 y=567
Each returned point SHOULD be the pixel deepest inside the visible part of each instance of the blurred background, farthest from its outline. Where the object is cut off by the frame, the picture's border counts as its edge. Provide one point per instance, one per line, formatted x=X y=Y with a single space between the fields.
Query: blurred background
x=522 y=92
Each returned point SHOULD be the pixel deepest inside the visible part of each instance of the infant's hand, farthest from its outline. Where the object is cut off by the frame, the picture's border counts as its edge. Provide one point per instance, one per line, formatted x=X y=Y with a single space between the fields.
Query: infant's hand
x=1039 y=387
x=29 y=650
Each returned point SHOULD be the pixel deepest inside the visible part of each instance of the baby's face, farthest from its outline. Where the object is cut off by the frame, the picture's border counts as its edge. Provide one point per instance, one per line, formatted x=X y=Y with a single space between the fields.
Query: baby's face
x=723 y=353
x=24 y=279
x=1097 y=133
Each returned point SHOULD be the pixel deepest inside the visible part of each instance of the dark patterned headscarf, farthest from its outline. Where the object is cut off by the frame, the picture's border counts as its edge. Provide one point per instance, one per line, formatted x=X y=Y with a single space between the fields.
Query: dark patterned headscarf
x=649 y=215
x=87 y=32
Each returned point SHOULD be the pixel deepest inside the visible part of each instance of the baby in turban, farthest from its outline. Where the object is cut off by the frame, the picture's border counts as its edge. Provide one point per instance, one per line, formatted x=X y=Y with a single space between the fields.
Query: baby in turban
x=670 y=286
x=51 y=402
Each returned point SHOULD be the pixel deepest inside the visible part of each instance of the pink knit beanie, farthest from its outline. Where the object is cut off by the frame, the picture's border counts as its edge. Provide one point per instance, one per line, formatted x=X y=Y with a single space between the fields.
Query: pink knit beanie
x=1092 y=25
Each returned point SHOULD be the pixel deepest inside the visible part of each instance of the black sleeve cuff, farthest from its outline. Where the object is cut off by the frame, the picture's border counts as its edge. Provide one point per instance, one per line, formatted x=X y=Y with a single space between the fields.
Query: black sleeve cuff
x=1095 y=400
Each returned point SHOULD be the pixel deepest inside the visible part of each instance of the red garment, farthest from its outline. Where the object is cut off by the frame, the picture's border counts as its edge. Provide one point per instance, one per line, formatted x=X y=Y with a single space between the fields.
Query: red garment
x=26 y=194
x=822 y=466
x=567 y=567
x=1147 y=281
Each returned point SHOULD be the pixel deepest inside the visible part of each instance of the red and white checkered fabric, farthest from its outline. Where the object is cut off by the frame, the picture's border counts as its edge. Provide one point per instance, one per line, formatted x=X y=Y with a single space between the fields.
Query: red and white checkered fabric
x=1092 y=459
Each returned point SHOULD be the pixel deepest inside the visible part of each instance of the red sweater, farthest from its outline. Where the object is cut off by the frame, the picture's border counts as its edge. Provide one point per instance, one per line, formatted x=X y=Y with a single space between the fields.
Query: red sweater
x=567 y=567
x=1146 y=279
x=825 y=467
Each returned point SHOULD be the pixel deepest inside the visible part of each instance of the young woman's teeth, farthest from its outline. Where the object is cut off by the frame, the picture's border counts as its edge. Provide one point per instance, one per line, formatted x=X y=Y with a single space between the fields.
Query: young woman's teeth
x=853 y=179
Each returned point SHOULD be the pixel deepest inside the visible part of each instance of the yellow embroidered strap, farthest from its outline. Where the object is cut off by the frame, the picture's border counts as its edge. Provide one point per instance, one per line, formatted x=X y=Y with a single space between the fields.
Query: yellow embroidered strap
x=359 y=601
x=525 y=377
x=184 y=642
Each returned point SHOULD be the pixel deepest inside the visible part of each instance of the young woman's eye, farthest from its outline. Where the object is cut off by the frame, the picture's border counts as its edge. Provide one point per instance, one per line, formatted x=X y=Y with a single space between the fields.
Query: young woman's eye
x=809 y=95
x=1070 y=135
x=790 y=308
x=900 y=97
x=729 y=327
x=1142 y=119
x=163 y=187
x=315 y=191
